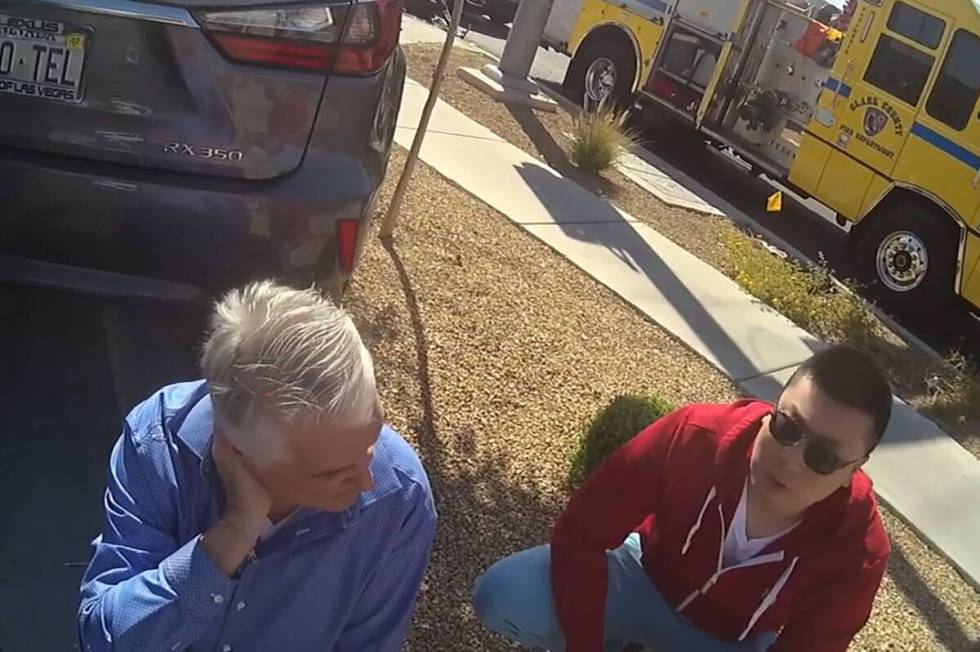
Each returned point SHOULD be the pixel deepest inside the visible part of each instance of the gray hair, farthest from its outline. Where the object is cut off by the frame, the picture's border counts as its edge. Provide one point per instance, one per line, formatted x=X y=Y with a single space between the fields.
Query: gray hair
x=288 y=354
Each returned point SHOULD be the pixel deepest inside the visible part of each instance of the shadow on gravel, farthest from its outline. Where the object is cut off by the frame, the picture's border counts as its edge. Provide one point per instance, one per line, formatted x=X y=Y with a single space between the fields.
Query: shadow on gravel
x=910 y=583
x=490 y=517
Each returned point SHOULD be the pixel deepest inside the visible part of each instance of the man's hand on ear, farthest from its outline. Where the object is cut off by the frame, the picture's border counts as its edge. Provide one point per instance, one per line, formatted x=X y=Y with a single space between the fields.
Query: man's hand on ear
x=247 y=504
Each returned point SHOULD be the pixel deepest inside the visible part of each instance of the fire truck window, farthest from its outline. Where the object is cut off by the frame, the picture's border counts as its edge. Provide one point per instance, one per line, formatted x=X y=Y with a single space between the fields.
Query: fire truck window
x=916 y=25
x=899 y=69
x=957 y=88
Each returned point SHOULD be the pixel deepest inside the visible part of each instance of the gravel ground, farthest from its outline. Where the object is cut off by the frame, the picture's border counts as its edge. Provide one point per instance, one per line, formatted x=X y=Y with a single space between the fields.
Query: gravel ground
x=491 y=353
x=543 y=135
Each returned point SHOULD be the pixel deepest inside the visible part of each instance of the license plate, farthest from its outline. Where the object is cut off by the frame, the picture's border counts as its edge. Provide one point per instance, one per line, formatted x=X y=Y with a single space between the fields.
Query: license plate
x=41 y=58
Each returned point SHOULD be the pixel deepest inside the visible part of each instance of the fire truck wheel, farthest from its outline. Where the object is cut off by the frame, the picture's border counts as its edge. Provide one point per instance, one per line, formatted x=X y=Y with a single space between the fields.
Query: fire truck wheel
x=906 y=256
x=602 y=71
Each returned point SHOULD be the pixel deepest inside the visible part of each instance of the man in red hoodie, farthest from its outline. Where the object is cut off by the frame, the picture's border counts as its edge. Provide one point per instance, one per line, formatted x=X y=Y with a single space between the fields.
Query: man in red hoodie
x=718 y=528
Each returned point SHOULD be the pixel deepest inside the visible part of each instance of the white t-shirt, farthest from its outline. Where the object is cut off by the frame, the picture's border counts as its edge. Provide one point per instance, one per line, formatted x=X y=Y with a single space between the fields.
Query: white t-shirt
x=271 y=528
x=738 y=547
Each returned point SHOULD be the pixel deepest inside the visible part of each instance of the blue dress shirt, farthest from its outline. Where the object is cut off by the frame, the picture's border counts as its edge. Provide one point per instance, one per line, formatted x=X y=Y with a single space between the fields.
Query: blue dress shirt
x=324 y=581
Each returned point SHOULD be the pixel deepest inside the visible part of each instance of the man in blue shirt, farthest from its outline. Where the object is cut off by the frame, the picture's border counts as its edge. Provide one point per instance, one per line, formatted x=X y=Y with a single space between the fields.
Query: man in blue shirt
x=266 y=508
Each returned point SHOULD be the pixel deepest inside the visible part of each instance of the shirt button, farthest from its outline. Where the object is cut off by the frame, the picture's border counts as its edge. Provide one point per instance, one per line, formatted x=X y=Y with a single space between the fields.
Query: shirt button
x=240 y=606
x=218 y=598
x=225 y=648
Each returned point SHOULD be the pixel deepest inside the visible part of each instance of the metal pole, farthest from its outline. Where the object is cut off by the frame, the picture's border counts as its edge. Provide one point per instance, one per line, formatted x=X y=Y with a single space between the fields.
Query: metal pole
x=525 y=37
x=391 y=217
x=509 y=81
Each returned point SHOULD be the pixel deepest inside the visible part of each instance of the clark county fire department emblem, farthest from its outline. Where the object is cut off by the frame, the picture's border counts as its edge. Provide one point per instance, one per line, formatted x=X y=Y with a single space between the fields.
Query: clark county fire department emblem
x=874 y=121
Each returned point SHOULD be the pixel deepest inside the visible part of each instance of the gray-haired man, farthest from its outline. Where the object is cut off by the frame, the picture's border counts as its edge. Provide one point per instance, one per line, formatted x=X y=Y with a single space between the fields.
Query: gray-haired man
x=266 y=508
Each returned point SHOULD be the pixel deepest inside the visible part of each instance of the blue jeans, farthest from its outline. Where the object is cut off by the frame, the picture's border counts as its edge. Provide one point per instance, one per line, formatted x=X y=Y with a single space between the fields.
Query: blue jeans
x=513 y=598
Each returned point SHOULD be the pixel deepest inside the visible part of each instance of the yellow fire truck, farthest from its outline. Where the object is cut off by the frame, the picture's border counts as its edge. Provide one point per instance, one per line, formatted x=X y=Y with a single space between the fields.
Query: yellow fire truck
x=874 y=114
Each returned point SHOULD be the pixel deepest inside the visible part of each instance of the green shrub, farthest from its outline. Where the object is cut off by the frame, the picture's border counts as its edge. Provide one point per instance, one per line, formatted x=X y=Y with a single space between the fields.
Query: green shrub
x=612 y=427
x=598 y=139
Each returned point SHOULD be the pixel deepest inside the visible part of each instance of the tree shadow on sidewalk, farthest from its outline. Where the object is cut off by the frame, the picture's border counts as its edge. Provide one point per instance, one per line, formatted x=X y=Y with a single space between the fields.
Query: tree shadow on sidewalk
x=580 y=216
x=483 y=516
x=556 y=157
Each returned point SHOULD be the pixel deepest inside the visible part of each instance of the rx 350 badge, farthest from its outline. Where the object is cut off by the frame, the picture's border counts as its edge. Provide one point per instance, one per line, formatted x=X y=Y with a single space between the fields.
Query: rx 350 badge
x=874 y=121
x=201 y=151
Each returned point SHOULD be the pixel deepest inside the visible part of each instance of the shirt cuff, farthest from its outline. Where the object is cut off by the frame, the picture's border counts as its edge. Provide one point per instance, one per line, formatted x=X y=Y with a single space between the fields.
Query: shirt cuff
x=200 y=586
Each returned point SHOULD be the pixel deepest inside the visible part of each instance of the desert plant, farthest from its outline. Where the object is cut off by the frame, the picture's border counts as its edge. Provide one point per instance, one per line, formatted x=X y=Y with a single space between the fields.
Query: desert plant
x=612 y=427
x=807 y=295
x=954 y=390
x=599 y=137
x=810 y=297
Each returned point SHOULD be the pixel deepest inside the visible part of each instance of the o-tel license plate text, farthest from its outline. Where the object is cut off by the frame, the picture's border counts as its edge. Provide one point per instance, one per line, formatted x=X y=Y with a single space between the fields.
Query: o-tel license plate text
x=41 y=58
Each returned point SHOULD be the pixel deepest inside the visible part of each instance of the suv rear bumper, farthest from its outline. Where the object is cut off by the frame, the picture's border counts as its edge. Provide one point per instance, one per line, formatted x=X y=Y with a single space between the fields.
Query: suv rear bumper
x=201 y=233
x=81 y=280
x=212 y=237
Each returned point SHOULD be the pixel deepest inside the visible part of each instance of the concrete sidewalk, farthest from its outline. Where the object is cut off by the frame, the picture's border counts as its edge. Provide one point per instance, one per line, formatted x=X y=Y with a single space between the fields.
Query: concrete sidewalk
x=925 y=476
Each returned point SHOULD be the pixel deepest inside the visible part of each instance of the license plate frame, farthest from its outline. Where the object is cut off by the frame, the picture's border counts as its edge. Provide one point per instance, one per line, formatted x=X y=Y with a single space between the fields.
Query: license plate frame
x=43 y=59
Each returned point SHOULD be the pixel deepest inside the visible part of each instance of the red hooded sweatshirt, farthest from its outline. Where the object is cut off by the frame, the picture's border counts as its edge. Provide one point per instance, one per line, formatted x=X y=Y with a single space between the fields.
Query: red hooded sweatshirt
x=678 y=484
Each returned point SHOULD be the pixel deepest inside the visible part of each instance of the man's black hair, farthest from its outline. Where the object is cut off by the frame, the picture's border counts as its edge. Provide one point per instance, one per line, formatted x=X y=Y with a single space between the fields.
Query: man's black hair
x=852 y=377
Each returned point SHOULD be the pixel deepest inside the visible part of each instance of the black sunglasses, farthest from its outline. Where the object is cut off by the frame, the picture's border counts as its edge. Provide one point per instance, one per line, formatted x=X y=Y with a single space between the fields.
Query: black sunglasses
x=818 y=454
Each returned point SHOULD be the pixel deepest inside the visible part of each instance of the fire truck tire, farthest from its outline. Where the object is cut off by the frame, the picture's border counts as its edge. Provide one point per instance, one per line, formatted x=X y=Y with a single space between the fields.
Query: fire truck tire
x=906 y=257
x=602 y=66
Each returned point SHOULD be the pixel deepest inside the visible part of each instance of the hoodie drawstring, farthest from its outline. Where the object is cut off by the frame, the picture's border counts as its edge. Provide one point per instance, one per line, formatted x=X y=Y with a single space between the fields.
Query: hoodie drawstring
x=697 y=524
x=773 y=593
x=770 y=598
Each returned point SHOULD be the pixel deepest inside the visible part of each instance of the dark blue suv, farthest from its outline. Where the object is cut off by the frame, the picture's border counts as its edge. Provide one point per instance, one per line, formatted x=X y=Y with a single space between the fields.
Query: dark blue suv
x=178 y=147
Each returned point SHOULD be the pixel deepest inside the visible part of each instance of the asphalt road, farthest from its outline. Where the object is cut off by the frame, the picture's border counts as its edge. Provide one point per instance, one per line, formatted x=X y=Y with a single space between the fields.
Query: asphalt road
x=549 y=65
x=71 y=368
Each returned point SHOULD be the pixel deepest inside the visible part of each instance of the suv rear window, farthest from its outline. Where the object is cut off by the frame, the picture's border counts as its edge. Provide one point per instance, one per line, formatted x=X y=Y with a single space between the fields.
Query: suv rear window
x=899 y=69
x=917 y=25
x=955 y=93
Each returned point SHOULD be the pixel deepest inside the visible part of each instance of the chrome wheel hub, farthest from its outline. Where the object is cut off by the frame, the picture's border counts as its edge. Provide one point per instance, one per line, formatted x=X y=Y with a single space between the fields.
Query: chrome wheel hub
x=600 y=79
x=902 y=262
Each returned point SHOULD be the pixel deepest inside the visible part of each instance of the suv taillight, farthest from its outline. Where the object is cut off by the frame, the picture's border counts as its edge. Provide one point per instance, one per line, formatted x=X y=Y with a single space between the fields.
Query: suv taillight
x=350 y=39
x=347 y=231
